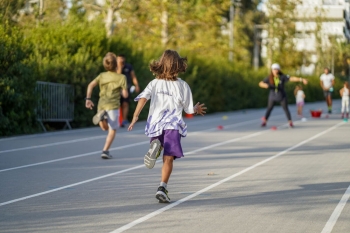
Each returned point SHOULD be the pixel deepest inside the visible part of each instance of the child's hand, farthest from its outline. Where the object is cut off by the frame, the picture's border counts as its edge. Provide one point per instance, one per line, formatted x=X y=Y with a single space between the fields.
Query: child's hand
x=89 y=104
x=304 y=81
x=134 y=119
x=199 y=109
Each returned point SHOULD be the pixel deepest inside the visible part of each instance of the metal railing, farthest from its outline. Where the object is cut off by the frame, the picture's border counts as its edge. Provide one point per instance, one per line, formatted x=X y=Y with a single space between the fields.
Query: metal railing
x=55 y=103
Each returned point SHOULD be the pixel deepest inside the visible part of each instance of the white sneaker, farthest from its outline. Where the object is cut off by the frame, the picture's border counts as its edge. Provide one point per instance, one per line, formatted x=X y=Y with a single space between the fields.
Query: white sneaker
x=98 y=117
x=153 y=153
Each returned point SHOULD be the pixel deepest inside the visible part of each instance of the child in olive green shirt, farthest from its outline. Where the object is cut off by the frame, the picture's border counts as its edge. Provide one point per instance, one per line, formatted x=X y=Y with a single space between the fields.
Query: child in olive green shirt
x=111 y=86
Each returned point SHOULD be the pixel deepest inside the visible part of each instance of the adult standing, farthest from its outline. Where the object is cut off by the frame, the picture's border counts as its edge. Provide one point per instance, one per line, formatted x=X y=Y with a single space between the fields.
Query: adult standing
x=131 y=79
x=275 y=82
x=327 y=83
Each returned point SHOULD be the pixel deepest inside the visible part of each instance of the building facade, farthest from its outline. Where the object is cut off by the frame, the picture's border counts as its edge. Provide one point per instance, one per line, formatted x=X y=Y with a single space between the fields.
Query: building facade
x=318 y=22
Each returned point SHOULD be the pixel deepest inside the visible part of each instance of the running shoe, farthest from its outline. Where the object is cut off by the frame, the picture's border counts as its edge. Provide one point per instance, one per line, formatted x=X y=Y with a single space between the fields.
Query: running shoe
x=124 y=123
x=153 y=153
x=291 y=125
x=98 y=117
x=106 y=155
x=162 y=195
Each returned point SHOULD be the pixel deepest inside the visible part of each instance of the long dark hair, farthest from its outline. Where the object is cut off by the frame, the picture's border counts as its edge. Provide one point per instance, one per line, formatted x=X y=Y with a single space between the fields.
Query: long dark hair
x=271 y=81
x=169 y=65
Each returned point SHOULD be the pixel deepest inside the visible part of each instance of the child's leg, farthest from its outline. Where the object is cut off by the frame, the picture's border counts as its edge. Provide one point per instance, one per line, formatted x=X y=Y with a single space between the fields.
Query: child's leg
x=167 y=168
x=109 y=139
x=103 y=125
x=299 y=109
x=113 y=124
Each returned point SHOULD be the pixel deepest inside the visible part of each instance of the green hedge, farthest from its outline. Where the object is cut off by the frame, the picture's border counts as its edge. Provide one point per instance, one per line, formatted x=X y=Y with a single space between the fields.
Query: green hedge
x=17 y=84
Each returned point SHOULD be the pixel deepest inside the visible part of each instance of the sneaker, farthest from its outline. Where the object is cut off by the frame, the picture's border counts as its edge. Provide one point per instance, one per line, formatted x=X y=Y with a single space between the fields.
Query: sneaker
x=342 y=116
x=153 y=153
x=291 y=125
x=106 y=155
x=263 y=124
x=162 y=195
x=124 y=123
x=98 y=117
x=329 y=111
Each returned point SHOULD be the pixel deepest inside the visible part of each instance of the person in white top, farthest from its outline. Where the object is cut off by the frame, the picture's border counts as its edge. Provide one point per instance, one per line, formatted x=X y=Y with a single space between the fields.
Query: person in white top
x=344 y=93
x=327 y=83
x=169 y=96
x=299 y=99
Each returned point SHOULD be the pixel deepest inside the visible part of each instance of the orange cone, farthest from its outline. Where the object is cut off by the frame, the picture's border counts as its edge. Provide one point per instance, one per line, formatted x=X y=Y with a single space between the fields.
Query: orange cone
x=120 y=116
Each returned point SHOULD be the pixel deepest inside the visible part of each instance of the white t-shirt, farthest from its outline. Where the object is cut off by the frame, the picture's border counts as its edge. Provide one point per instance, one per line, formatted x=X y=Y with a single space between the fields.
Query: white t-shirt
x=168 y=100
x=345 y=93
x=327 y=80
x=299 y=96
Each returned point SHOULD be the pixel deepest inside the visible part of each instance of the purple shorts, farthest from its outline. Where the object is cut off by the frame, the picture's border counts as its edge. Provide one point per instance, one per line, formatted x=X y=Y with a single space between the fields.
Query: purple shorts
x=170 y=141
x=301 y=103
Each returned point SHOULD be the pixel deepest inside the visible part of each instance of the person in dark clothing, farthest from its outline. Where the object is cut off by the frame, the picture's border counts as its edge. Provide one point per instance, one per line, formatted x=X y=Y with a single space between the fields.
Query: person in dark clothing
x=275 y=82
x=128 y=71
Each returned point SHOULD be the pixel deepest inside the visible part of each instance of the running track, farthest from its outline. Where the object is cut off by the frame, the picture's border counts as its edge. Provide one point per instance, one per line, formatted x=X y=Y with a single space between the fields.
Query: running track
x=239 y=179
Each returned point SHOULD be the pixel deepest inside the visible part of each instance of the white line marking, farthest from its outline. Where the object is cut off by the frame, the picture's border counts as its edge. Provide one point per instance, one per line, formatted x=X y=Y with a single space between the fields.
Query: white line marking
x=125 y=170
x=60 y=143
x=115 y=148
x=85 y=139
x=336 y=213
x=159 y=211
x=74 y=157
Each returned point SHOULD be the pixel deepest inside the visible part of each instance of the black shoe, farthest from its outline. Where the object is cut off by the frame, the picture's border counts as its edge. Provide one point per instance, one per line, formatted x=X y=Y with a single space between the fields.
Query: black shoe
x=162 y=195
x=329 y=111
x=263 y=124
x=106 y=155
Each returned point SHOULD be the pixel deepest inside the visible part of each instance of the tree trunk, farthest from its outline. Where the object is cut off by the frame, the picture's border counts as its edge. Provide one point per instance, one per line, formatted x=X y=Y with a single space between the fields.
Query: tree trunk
x=164 y=32
x=109 y=22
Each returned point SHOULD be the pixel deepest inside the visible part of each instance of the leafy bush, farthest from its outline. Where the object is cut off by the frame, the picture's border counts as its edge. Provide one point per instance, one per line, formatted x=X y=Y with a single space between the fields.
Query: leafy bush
x=17 y=84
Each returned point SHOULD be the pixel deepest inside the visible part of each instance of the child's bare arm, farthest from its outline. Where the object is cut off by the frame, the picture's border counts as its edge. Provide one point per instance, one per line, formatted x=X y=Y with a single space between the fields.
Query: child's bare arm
x=125 y=93
x=141 y=103
x=88 y=102
x=341 y=92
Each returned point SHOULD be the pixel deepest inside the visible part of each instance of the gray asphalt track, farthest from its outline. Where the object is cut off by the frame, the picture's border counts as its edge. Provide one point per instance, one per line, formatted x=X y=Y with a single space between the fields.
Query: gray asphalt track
x=242 y=178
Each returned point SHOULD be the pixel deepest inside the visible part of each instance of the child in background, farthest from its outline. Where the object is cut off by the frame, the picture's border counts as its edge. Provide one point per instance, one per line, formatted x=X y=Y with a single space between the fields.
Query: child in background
x=344 y=93
x=299 y=97
x=169 y=96
x=111 y=86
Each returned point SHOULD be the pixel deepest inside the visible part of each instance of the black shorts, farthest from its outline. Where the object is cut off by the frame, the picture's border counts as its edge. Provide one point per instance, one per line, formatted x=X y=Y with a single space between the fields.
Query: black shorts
x=127 y=100
x=327 y=93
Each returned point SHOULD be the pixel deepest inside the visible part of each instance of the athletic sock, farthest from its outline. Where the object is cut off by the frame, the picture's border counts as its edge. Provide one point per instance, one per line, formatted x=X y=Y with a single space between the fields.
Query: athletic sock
x=163 y=184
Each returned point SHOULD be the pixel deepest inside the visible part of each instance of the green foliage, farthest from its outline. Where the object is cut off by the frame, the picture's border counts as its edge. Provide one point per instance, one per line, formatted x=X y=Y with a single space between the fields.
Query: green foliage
x=17 y=84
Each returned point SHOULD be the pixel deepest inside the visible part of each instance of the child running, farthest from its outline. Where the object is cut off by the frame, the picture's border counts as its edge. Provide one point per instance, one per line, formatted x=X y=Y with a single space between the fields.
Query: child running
x=299 y=97
x=169 y=96
x=111 y=85
x=344 y=93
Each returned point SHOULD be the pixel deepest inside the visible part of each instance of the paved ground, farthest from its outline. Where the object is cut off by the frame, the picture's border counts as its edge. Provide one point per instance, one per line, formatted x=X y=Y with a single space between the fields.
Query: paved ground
x=241 y=178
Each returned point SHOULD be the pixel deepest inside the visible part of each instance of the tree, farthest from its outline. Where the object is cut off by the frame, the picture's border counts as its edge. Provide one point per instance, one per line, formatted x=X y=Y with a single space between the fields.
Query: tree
x=109 y=10
x=281 y=32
